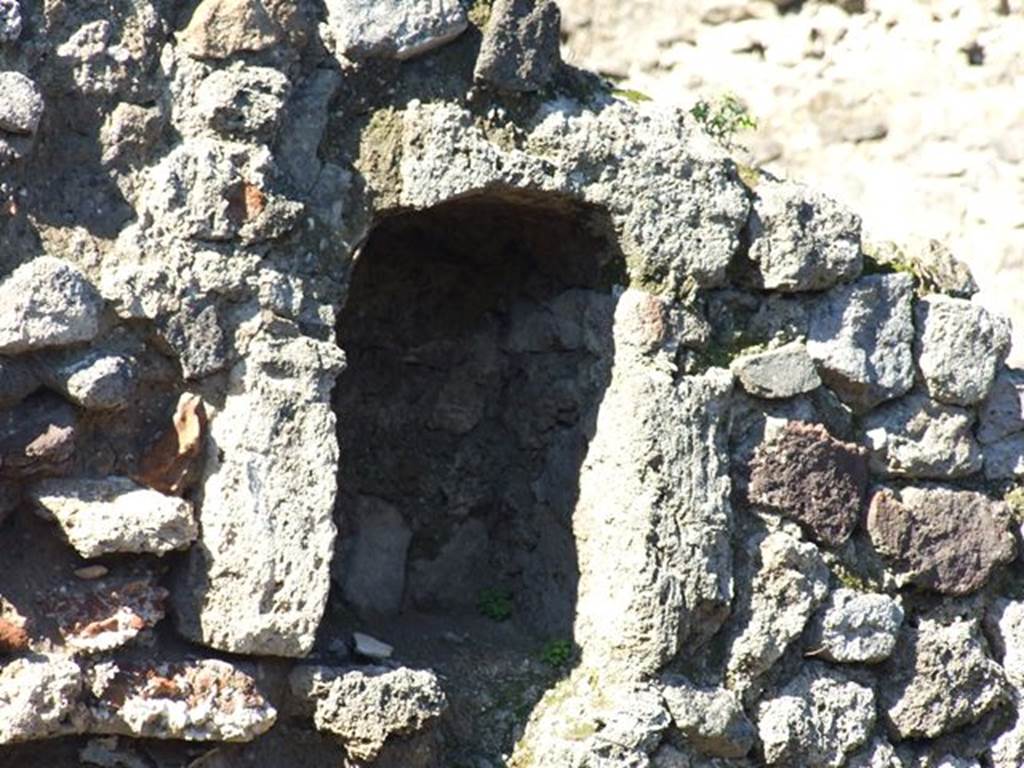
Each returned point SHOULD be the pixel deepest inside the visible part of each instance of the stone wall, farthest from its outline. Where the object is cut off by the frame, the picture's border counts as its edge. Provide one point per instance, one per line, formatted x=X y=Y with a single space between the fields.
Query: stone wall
x=905 y=111
x=378 y=390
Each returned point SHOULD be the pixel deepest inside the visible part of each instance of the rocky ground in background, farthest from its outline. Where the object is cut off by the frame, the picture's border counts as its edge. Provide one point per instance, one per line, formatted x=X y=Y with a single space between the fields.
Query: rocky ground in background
x=908 y=112
x=378 y=391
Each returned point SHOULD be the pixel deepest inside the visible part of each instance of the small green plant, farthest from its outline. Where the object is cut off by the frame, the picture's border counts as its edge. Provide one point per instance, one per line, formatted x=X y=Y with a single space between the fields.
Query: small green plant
x=558 y=653
x=495 y=604
x=723 y=118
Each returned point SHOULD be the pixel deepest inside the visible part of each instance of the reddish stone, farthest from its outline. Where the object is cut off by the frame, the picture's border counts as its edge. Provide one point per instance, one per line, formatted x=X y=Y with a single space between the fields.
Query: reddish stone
x=172 y=464
x=12 y=637
x=942 y=539
x=807 y=475
x=107 y=614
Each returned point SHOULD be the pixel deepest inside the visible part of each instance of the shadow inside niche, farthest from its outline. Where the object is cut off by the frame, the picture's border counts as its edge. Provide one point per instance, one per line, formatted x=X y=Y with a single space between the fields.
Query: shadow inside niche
x=479 y=344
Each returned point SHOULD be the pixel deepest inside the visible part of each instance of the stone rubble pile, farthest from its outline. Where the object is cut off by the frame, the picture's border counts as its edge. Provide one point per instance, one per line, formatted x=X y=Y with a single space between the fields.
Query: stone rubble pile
x=789 y=470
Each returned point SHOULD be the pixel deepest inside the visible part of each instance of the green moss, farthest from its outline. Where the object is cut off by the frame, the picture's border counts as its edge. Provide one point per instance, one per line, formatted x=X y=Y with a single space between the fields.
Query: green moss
x=722 y=355
x=380 y=154
x=749 y=175
x=873 y=266
x=1014 y=499
x=851 y=580
x=480 y=12
x=630 y=94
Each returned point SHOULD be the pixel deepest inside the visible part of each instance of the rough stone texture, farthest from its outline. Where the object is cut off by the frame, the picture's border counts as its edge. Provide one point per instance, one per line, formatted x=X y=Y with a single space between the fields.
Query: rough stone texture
x=817 y=719
x=205 y=700
x=225 y=173
x=578 y=724
x=801 y=240
x=13 y=637
x=856 y=627
x=1004 y=460
x=861 y=337
x=38 y=697
x=399 y=29
x=520 y=50
x=565 y=154
x=22 y=105
x=258 y=581
x=638 y=607
x=959 y=348
x=790 y=582
x=777 y=373
x=712 y=721
x=44 y=303
x=221 y=28
x=17 y=381
x=101 y=517
x=366 y=707
x=374 y=574
x=931 y=262
x=939 y=538
x=96 y=381
x=243 y=102
x=1005 y=622
x=805 y=474
x=1006 y=618
x=939 y=679
x=10 y=21
x=906 y=151
x=1002 y=414
x=37 y=437
x=918 y=437
x=878 y=754
x=106 y=614
x=303 y=123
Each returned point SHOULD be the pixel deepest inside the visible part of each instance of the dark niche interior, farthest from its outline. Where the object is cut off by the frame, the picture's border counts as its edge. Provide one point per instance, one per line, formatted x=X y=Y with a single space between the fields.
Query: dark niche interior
x=478 y=344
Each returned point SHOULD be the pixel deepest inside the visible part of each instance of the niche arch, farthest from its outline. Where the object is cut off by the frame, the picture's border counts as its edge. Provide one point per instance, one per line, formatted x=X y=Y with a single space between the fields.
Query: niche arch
x=478 y=337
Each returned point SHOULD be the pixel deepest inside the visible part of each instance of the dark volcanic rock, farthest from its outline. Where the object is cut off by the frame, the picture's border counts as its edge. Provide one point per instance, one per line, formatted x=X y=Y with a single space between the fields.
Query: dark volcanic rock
x=37 y=437
x=941 y=539
x=809 y=476
x=520 y=51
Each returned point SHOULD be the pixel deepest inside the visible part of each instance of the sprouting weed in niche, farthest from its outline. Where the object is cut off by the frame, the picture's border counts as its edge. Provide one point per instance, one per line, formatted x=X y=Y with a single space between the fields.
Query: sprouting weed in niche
x=558 y=653
x=495 y=604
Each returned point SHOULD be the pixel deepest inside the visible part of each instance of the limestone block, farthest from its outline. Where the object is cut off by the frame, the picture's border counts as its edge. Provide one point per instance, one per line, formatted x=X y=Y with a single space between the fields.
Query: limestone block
x=258 y=581
x=861 y=337
x=46 y=303
x=399 y=29
x=114 y=514
x=801 y=240
x=918 y=437
x=959 y=348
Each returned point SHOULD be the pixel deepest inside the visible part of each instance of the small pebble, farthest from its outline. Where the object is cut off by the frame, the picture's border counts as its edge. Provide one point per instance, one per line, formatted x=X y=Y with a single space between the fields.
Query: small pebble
x=90 y=572
x=371 y=647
